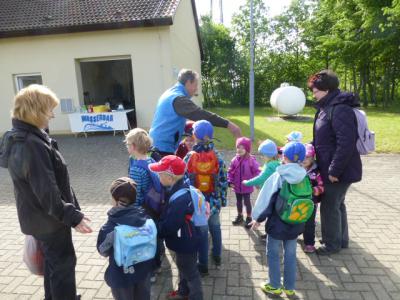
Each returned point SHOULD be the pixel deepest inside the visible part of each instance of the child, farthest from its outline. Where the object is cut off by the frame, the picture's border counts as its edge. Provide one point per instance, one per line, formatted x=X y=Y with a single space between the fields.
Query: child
x=207 y=172
x=125 y=285
x=187 y=144
x=294 y=136
x=177 y=227
x=269 y=151
x=243 y=166
x=280 y=232
x=138 y=143
x=318 y=188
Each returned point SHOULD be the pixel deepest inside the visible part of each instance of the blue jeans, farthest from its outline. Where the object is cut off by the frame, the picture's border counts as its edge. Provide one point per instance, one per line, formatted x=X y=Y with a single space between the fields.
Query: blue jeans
x=214 y=226
x=289 y=263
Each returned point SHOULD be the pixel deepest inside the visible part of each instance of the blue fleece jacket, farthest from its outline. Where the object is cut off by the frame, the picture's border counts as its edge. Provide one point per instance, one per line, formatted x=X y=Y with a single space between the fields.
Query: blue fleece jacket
x=114 y=275
x=265 y=204
x=175 y=225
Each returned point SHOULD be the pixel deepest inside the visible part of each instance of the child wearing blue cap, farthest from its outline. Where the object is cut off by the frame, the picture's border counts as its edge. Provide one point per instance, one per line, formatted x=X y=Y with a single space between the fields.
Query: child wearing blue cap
x=280 y=232
x=207 y=171
x=269 y=152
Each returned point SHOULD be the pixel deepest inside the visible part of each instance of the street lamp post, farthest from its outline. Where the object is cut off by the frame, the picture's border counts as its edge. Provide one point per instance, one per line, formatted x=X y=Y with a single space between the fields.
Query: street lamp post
x=251 y=100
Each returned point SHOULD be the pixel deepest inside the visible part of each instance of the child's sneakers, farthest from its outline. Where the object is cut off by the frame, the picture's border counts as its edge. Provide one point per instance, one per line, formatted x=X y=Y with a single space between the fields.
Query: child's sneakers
x=174 y=295
x=309 y=249
x=247 y=223
x=269 y=289
x=289 y=292
x=217 y=260
x=238 y=220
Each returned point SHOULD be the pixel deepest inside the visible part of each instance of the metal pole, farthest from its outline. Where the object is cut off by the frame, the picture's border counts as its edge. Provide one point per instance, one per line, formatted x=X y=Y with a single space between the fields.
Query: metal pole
x=251 y=100
x=211 y=9
x=221 y=13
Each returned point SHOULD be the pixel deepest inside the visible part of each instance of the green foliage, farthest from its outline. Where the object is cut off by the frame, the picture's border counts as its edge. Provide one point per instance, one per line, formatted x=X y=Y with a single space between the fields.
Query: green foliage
x=359 y=39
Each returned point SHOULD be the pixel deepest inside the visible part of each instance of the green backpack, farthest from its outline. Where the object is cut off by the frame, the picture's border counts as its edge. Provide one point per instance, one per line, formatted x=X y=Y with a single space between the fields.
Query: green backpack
x=294 y=204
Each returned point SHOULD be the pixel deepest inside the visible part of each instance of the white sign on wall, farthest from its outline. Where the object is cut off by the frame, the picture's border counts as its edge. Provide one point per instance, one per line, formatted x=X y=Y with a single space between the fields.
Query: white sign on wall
x=107 y=121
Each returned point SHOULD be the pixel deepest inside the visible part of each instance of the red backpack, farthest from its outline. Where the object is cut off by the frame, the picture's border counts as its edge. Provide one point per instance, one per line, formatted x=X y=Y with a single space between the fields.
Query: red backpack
x=204 y=167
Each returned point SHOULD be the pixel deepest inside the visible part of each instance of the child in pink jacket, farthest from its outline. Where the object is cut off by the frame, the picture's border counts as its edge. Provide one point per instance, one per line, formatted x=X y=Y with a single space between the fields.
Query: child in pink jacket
x=244 y=166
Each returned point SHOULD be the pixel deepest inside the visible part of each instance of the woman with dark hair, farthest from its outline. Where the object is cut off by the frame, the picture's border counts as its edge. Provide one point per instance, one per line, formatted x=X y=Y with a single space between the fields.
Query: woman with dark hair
x=334 y=138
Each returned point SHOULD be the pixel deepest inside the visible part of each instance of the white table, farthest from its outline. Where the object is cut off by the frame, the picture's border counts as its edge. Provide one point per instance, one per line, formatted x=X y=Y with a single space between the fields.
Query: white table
x=105 y=121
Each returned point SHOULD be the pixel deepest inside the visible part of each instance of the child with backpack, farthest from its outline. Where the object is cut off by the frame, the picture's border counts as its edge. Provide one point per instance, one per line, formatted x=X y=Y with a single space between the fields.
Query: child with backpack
x=269 y=151
x=207 y=172
x=128 y=279
x=185 y=211
x=244 y=166
x=317 y=184
x=188 y=141
x=149 y=192
x=285 y=199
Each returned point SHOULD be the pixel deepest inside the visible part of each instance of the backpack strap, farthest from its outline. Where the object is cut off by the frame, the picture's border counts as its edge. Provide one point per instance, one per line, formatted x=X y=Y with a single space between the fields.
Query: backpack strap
x=178 y=194
x=144 y=164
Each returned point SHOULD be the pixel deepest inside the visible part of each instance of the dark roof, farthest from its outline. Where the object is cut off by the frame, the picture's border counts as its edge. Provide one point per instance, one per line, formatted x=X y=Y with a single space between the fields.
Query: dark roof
x=30 y=17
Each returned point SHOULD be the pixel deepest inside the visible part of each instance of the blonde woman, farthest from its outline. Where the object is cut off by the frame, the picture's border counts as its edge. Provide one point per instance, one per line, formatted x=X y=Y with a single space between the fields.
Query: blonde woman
x=46 y=204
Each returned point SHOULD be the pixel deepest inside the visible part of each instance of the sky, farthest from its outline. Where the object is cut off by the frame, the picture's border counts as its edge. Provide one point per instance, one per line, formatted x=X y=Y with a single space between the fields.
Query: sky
x=232 y=6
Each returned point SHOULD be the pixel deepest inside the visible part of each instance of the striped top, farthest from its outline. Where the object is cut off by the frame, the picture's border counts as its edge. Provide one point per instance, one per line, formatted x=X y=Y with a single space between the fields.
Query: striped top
x=142 y=179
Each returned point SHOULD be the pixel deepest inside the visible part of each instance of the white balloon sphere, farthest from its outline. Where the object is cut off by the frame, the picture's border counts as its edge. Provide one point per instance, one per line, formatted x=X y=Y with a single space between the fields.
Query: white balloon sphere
x=288 y=100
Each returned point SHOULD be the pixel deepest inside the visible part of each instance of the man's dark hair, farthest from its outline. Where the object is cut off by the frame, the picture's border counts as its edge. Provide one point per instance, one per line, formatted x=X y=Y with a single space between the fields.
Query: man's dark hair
x=123 y=190
x=186 y=75
x=325 y=80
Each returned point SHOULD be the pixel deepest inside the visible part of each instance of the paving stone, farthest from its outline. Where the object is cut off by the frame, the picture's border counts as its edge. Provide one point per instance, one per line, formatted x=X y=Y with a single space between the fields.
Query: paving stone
x=369 y=269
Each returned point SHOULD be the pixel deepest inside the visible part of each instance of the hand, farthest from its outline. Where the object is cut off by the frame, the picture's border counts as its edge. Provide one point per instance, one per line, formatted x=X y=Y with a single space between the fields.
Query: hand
x=235 y=130
x=83 y=227
x=333 y=179
x=244 y=182
x=254 y=224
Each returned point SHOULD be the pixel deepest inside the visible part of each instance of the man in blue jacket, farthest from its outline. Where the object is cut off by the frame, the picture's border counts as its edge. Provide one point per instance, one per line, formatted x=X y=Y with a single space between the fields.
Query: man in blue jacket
x=175 y=107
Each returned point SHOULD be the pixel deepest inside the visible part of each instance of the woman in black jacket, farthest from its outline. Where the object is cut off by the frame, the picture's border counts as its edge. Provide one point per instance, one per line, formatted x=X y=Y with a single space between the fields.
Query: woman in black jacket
x=46 y=204
x=334 y=138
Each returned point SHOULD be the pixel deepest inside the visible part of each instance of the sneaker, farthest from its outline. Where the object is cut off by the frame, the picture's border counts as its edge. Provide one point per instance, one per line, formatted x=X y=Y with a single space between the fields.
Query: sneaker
x=289 y=292
x=217 y=260
x=174 y=295
x=323 y=250
x=309 y=249
x=153 y=278
x=247 y=223
x=203 y=270
x=269 y=289
x=238 y=220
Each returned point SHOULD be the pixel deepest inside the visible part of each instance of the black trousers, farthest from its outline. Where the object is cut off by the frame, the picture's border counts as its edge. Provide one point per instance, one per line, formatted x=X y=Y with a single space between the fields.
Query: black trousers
x=59 y=265
x=138 y=291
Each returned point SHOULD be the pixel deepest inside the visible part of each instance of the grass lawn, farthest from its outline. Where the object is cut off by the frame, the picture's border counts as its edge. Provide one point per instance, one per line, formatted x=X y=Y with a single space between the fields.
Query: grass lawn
x=385 y=124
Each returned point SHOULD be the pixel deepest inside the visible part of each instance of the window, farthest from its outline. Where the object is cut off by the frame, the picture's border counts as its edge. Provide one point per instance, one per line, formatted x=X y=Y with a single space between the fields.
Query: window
x=22 y=81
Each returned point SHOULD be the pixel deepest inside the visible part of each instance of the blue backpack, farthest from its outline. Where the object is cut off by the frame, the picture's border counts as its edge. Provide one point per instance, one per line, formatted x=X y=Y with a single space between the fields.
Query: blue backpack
x=154 y=199
x=134 y=245
x=200 y=205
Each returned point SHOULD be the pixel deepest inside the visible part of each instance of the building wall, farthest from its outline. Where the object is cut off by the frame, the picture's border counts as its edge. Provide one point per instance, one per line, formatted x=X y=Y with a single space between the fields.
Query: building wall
x=56 y=58
x=184 y=43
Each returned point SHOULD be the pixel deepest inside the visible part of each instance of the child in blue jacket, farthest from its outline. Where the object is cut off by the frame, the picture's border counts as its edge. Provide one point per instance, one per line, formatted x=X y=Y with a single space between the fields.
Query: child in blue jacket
x=177 y=228
x=278 y=231
x=125 y=284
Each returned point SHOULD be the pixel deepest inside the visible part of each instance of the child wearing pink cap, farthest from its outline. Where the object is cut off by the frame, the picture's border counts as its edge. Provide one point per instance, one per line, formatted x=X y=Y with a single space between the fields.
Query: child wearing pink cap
x=244 y=166
x=311 y=167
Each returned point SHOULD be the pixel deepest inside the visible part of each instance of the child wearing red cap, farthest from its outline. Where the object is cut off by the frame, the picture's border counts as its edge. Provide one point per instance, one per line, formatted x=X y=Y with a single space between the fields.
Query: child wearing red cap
x=177 y=227
x=244 y=166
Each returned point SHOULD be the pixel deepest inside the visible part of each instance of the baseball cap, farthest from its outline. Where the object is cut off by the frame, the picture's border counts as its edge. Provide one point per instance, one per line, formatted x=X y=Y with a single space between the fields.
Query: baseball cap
x=188 y=130
x=295 y=151
x=203 y=129
x=171 y=164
